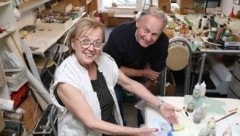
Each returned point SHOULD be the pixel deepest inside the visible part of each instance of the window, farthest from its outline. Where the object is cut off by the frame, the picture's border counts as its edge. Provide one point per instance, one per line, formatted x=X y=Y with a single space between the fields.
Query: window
x=107 y=3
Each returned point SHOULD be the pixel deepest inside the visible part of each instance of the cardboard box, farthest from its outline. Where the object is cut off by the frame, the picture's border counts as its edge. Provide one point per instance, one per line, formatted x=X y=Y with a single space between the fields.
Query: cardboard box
x=170 y=85
x=165 y=6
x=164 y=1
x=55 y=26
x=185 y=3
x=62 y=7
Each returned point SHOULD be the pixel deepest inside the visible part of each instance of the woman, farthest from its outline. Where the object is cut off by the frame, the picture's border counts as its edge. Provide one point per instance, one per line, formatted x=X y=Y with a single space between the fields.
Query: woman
x=83 y=89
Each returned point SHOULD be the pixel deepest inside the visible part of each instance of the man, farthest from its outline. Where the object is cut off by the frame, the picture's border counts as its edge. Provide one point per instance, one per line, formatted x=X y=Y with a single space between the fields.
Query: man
x=139 y=49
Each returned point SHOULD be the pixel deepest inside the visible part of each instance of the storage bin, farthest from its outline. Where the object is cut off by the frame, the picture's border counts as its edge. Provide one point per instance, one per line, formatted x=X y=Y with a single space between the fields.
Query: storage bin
x=15 y=80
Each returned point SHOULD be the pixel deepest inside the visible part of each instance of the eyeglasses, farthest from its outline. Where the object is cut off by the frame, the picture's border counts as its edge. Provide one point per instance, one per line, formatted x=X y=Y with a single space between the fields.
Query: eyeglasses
x=85 y=43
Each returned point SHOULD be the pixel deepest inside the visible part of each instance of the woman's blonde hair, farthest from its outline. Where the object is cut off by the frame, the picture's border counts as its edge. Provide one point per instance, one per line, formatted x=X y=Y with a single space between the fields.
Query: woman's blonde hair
x=83 y=26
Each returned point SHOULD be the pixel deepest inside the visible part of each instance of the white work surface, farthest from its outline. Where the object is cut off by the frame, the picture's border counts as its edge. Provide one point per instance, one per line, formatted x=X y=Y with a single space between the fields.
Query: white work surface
x=223 y=105
x=41 y=41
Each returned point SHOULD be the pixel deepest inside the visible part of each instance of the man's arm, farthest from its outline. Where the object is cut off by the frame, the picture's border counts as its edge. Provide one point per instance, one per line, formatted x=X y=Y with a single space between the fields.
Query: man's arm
x=148 y=73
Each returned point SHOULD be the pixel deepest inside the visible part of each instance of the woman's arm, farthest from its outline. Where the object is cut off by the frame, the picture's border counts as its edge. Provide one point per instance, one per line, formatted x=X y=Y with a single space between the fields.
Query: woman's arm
x=76 y=103
x=167 y=110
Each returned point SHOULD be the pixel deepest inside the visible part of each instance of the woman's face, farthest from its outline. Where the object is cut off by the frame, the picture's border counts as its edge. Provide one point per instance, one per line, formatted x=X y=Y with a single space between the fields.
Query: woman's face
x=148 y=30
x=88 y=46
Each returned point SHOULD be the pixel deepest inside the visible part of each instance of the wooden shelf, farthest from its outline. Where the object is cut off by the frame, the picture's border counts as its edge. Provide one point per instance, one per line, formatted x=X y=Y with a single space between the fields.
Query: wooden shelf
x=31 y=4
x=4 y=3
x=90 y=6
x=6 y=33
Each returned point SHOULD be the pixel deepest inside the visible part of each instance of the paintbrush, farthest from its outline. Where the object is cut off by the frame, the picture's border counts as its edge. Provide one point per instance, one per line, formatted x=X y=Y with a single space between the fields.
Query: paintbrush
x=230 y=114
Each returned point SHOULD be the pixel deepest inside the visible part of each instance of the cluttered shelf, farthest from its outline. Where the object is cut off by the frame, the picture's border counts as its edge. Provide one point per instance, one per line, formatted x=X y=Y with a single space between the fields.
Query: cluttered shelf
x=211 y=35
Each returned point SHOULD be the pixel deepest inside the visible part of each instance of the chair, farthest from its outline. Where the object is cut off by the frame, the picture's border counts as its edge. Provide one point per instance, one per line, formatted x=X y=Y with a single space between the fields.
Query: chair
x=46 y=65
x=64 y=49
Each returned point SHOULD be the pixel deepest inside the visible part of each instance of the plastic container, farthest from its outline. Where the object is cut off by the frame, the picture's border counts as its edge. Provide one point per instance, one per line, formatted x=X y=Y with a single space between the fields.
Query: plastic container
x=197 y=92
x=16 y=79
x=197 y=116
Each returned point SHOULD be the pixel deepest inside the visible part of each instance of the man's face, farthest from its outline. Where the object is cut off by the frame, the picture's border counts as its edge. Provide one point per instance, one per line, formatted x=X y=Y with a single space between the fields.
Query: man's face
x=148 y=30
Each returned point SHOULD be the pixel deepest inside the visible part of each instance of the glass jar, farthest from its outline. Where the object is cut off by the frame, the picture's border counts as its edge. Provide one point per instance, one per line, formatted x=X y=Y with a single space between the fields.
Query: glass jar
x=190 y=107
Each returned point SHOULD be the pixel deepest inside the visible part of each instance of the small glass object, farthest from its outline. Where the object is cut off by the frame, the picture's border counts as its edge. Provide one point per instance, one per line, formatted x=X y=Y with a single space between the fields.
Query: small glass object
x=190 y=106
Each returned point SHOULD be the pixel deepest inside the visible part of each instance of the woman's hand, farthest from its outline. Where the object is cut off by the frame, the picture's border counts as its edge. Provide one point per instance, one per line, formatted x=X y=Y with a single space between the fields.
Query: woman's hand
x=168 y=112
x=146 y=132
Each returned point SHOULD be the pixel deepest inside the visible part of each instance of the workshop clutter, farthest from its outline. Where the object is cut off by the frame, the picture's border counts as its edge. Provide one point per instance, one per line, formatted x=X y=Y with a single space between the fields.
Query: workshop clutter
x=55 y=24
x=14 y=71
x=58 y=17
x=190 y=6
x=61 y=7
x=185 y=3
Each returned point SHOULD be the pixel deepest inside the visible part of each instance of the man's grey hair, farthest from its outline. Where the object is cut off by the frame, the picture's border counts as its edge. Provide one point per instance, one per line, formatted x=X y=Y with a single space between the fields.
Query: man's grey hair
x=154 y=11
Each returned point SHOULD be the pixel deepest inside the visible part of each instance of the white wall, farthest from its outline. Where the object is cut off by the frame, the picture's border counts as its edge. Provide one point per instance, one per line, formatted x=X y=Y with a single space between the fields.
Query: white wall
x=227 y=5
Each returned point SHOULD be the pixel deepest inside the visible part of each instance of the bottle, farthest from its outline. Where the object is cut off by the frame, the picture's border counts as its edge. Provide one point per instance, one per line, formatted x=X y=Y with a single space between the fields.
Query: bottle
x=204 y=21
x=176 y=32
x=231 y=14
x=196 y=92
x=212 y=34
x=203 y=89
x=226 y=36
x=197 y=116
x=212 y=22
x=219 y=32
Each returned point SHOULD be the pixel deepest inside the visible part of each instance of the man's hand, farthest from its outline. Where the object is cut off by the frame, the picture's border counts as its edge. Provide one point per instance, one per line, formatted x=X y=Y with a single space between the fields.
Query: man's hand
x=150 y=74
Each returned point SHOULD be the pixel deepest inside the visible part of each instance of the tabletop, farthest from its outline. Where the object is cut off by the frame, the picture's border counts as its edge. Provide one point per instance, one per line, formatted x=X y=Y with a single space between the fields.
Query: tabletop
x=216 y=108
